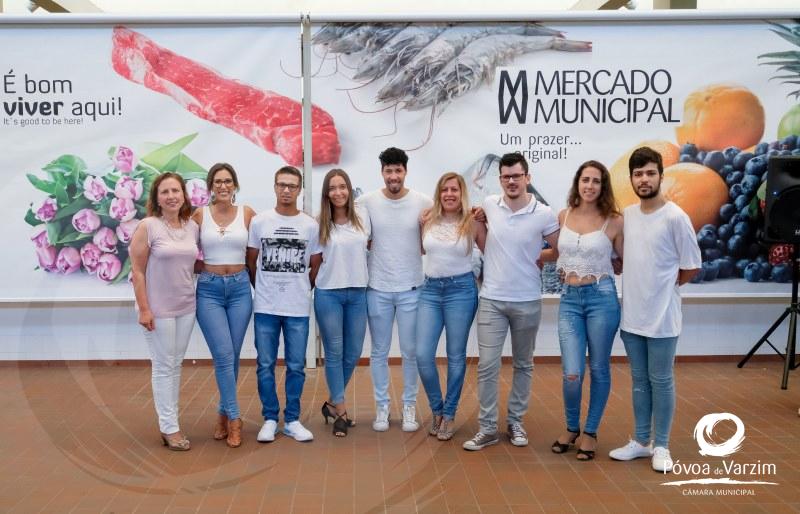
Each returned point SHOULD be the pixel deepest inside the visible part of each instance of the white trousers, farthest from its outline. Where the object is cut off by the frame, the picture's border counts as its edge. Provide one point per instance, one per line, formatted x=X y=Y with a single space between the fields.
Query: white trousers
x=168 y=344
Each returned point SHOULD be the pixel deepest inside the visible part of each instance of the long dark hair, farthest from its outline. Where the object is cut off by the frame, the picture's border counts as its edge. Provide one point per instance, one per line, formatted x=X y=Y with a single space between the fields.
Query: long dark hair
x=606 y=203
x=212 y=173
x=153 y=209
x=326 y=207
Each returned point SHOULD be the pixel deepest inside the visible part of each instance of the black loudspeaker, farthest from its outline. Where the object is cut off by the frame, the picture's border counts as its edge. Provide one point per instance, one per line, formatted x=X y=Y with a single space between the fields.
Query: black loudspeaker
x=782 y=209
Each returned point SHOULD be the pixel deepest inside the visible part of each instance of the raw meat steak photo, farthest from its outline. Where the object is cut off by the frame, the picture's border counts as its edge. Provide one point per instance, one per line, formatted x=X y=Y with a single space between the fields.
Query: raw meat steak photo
x=268 y=119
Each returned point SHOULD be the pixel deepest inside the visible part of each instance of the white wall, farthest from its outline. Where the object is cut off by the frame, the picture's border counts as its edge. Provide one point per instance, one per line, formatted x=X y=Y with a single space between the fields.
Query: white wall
x=108 y=331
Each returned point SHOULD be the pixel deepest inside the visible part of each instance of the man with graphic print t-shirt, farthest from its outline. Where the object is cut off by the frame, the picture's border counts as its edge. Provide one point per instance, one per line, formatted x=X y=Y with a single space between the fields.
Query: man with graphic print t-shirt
x=283 y=258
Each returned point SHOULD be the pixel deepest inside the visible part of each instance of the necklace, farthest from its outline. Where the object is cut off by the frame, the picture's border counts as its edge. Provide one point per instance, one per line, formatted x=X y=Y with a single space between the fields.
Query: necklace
x=176 y=234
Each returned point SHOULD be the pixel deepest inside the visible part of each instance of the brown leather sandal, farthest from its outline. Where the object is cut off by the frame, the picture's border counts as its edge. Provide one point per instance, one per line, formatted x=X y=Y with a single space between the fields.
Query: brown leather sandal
x=234 y=433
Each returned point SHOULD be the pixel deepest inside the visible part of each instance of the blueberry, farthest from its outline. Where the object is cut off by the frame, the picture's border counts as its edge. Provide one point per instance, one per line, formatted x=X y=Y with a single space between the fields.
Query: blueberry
x=751 y=181
x=796 y=151
x=744 y=214
x=736 y=246
x=752 y=273
x=740 y=266
x=753 y=250
x=789 y=142
x=742 y=200
x=724 y=232
x=741 y=159
x=715 y=160
x=742 y=228
x=727 y=211
x=766 y=270
x=711 y=254
x=761 y=148
x=687 y=158
x=706 y=239
x=710 y=271
x=734 y=178
x=781 y=273
x=735 y=192
x=698 y=278
x=722 y=246
x=708 y=227
x=773 y=152
x=785 y=152
x=730 y=153
x=725 y=265
x=736 y=218
x=755 y=166
x=689 y=149
x=775 y=145
x=761 y=259
x=701 y=156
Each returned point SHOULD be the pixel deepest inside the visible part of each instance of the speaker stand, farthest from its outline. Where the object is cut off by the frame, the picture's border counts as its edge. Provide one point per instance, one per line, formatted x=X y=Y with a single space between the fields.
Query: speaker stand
x=791 y=340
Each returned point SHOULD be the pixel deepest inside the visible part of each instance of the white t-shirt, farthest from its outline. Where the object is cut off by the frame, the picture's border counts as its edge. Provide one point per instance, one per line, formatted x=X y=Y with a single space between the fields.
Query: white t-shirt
x=344 y=257
x=285 y=245
x=395 y=258
x=513 y=244
x=657 y=245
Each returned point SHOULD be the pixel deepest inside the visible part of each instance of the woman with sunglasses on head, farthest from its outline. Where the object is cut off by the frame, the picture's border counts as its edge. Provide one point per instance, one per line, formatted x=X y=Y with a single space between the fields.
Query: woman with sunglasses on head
x=224 y=299
x=340 y=297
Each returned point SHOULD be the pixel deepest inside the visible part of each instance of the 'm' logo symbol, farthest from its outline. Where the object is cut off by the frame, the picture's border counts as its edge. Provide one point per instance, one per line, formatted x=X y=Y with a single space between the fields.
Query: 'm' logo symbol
x=520 y=84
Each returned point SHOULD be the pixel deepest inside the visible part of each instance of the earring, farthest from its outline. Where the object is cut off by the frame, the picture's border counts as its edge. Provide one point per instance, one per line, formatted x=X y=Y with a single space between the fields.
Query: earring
x=213 y=197
x=233 y=198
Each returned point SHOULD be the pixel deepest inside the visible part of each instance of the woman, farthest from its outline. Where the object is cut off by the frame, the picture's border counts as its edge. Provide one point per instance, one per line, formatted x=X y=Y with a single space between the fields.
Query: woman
x=224 y=300
x=340 y=299
x=163 y=252
x=449 y=296
x=589 y=312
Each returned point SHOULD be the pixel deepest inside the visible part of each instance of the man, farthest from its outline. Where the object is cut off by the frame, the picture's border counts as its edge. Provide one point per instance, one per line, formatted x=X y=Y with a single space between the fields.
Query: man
x=283 y=259
x=510 y=298
x=660 y=254
x=395 y=274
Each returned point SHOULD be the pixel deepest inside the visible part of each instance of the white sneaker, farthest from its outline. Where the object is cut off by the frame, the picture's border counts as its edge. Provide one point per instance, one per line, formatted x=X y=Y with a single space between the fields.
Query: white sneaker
x=297 y=431
x=662 y=460
x=410 y=418
x=381 y=423
x=267 y=432
x=632 y=450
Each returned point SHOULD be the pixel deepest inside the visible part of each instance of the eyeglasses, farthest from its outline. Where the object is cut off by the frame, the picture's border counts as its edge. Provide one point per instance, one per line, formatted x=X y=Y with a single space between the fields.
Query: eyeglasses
x=280 y=186
x=516 y=177
x=223 y=182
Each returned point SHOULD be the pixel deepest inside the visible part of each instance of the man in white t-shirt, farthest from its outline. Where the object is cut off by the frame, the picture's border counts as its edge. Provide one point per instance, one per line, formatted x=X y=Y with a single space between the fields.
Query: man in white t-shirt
x=660 y=254
x=283 y=258
x=395 y=275
x=510 y=299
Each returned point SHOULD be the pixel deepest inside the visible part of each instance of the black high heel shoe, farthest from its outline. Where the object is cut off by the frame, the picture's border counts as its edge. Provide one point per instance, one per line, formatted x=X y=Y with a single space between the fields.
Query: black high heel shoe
x=563 y=447
x=329 y=411
x=340 y=425
x=584 y=455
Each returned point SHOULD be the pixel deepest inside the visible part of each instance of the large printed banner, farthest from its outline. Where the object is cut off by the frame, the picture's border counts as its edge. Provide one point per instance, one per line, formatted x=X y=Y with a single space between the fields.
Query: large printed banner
x=91 y=115
x=715 y=98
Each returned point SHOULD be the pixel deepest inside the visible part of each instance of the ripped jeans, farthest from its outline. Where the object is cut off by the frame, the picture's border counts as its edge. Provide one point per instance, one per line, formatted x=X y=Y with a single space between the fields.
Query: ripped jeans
x=588 y=318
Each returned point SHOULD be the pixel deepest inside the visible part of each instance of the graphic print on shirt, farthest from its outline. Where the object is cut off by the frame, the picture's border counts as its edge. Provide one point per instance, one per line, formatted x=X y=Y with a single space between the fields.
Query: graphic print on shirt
x=284 y=254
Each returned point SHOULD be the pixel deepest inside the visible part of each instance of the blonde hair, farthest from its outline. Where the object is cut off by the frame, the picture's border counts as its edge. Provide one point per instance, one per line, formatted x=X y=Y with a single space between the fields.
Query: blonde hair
x=326 y=207
x=437 y=213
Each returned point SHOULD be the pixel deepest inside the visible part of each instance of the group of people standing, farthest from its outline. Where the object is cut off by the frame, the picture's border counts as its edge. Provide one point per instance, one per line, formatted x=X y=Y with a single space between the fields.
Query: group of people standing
x=364 y=259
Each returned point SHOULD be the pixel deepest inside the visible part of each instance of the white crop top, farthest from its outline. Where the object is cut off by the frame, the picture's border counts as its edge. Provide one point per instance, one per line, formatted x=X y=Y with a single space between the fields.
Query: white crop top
x=584 y=255
x=446 y=255
x=223 y=245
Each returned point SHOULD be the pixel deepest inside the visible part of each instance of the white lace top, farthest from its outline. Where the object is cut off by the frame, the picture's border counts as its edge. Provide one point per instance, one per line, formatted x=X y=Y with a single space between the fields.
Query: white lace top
x=446 y=255
x=584 y=255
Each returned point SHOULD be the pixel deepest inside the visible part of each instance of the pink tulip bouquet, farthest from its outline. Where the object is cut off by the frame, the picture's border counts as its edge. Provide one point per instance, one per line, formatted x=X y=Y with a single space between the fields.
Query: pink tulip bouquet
x=86 y=220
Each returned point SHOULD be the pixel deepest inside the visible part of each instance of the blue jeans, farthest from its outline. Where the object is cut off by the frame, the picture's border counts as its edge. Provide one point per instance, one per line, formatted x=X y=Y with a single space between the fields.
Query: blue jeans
x=447 y=303
x=224 y=307
x=588 y=317
x=342 y=318
x=652 y=360
x=295 y=339
x=381 y=309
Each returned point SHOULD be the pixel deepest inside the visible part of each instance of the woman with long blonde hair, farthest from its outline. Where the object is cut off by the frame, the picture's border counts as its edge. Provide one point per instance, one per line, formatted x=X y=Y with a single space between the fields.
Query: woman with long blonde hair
x=340 y=299
x=449 y=297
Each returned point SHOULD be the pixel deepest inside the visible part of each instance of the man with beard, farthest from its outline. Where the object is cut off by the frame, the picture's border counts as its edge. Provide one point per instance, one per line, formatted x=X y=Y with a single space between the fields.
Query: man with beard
x=395 y=275
x=510 y=299
x=660 y=254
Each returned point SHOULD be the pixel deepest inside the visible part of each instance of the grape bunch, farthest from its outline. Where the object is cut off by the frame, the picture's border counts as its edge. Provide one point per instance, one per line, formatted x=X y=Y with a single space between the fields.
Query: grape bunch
x=732 y=249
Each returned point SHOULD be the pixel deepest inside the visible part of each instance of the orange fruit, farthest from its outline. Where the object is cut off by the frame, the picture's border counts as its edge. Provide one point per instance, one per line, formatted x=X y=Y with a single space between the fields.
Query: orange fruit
x=620 y=175
x=721 y=115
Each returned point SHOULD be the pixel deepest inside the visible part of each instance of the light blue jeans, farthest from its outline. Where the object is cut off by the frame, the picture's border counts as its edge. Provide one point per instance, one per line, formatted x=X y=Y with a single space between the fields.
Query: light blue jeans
x=588 y=317
x=295 y=339
x=447 y=303
x=652 y=360
x=382 y=307
x=342 y=318
x=224 y=308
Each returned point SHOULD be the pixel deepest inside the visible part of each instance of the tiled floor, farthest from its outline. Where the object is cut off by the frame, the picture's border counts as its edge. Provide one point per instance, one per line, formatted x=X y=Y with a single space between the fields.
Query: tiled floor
x=81 y=438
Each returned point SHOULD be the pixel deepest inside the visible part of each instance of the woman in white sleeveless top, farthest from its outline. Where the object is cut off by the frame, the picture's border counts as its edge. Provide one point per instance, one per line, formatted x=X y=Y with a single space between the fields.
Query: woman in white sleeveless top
x=589 y=312
x=224 y=299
